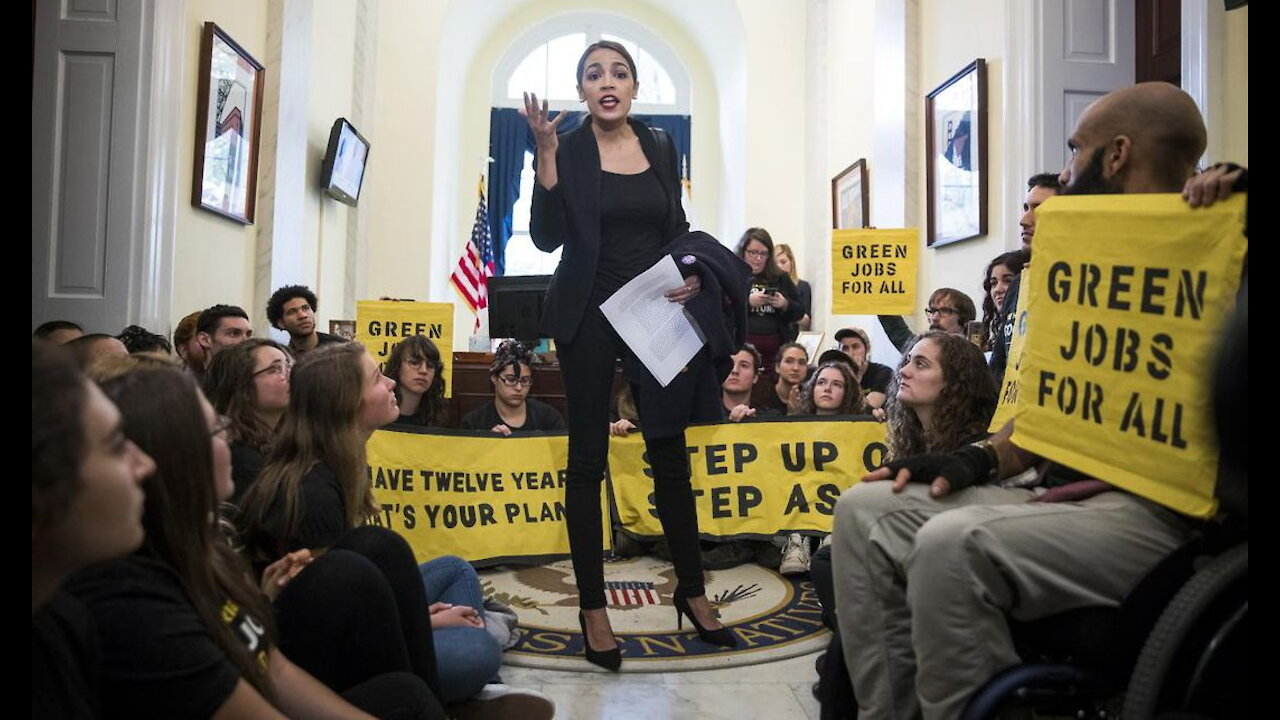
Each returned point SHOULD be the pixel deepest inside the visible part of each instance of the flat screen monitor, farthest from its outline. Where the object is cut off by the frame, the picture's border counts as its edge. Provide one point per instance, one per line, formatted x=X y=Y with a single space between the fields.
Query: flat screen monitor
x=515 y=306
x=342 y=174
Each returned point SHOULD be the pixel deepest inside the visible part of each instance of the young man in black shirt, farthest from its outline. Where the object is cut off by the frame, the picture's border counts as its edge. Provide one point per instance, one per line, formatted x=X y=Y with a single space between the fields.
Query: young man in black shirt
x=293 y=309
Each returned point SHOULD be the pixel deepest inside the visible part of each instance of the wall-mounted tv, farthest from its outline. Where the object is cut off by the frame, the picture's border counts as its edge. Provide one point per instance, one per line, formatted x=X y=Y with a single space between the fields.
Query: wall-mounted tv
x=342 y=173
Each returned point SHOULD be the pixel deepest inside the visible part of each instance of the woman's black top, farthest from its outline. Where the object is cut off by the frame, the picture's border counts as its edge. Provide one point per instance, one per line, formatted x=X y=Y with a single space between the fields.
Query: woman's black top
x=768 y=320
x=632 y=216
x=158 y=658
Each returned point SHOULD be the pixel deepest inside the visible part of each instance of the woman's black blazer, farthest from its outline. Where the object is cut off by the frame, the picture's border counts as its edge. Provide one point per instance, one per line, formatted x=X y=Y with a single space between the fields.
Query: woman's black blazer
x=569 y=215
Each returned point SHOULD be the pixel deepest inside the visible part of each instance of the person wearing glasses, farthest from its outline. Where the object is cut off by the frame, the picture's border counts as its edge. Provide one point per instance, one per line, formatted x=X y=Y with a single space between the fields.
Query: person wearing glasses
x=949 y=311
x=774 y=304
x=416 y=367
x=249 y=384
x=512 y=410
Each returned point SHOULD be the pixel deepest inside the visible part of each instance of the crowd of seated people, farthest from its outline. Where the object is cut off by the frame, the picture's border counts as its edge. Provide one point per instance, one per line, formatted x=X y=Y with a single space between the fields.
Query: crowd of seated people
x=929 y=555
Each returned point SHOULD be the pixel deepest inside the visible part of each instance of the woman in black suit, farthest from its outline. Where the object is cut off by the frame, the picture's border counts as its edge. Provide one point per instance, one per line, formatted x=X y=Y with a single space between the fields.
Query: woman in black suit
x=609 y=193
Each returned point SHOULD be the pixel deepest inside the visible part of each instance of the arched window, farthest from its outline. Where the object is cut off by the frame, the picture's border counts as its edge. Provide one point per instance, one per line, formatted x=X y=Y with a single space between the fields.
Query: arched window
x=544 y=62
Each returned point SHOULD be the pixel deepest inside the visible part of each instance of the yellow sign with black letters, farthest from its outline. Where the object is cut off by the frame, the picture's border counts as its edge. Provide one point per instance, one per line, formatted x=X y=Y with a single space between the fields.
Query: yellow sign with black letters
x=485 y=498
x=873 y=272
x=1007 y=401
x=1127 y=296
x=382 y=324
x=754 y=478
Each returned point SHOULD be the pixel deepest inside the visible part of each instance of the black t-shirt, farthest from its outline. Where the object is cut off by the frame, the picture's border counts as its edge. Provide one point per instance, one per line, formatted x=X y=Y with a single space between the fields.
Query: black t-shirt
x=65 y=661
x=876 y=378
x=764 y=398
x=246 y=465
x=1002 y=329
x=768 y=320
x=322 y=518
x=158 y=659
x=538 y=416
x=632 y=215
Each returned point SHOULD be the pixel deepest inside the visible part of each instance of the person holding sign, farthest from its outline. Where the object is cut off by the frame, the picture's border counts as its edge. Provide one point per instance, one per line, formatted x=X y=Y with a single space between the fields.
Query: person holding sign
x=512 y=410
x=831 y=390
x=415 y=365
x=609 y=192
x=957 y=555
x=1002 y=272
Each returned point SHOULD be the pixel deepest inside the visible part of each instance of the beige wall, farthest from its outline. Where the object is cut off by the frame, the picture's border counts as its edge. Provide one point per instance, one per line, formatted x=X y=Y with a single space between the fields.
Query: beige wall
x=1236 y=92
x=325 y=235
x=213 y=256
x=953 y=34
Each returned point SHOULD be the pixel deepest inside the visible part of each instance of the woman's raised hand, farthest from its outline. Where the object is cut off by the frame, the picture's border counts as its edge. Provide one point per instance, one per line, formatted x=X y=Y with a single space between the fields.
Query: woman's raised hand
x=544 y=130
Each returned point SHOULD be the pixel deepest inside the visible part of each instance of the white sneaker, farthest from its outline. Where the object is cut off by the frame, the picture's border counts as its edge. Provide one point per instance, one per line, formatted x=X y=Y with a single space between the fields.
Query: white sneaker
x=497 y=701
x=795 y=556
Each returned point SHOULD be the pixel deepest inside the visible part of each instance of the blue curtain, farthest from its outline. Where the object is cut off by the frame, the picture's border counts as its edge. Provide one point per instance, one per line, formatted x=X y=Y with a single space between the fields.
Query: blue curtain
x=510 y=139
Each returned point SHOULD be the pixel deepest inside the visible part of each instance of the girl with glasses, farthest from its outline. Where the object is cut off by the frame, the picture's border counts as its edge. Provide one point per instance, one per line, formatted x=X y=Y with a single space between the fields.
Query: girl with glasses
x=249 y=383
x=774 y=305
x=416 y=367
x=512 y=410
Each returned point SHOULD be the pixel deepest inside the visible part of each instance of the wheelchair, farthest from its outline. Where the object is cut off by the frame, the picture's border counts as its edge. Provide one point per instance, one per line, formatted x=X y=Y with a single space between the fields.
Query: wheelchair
x=1150 y=657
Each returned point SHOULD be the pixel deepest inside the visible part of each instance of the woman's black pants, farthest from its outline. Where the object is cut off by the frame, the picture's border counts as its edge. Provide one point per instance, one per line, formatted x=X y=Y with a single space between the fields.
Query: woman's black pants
x=588 y=366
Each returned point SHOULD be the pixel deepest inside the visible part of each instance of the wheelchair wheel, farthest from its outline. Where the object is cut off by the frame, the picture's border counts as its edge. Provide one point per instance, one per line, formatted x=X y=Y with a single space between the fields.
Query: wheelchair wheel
x=1182 y=662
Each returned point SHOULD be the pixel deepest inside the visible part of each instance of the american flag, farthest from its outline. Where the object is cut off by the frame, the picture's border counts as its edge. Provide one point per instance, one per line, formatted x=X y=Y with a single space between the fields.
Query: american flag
x=628 y=592
x=475 y=267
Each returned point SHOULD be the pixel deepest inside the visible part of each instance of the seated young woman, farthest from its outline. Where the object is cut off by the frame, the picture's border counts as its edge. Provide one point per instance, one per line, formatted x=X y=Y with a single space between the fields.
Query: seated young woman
x=415 y=365
x=942 y=397
x=184 y=631
x=314 y=494
x=86 y=507
x=831 y=390
x=512 y=410
x=249 y=384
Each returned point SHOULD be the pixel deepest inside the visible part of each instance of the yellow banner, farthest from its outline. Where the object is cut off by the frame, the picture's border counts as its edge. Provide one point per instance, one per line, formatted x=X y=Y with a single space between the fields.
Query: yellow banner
x=1009 y=386
x=754 y=478
x=485 y=498
x=873 y=272
x=1127 y=295
x=382 y=324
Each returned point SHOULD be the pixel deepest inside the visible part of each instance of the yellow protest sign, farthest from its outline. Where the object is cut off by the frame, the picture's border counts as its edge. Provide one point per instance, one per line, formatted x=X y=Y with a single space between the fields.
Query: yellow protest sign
x=485 y=498
x=1009 y=385
x=1127 y=295
x=754 y=478
x=381 y=324
x=873 y=272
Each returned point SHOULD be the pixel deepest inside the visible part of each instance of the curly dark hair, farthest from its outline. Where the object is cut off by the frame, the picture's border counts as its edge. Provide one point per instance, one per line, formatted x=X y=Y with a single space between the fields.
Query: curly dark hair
x=854 y=403
x=964 y=407
x=1013 y=261
x=433 y=410
x=510 y=354
x=139 y=339
x=275 y=305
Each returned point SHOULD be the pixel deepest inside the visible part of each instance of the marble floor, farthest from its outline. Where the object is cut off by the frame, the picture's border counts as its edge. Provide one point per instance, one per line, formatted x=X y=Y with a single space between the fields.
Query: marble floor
x=777 y=690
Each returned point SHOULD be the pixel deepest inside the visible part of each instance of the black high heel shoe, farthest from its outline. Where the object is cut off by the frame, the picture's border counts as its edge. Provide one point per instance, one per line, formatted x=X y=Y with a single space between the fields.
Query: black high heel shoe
x=610 y=660
x=722 y=636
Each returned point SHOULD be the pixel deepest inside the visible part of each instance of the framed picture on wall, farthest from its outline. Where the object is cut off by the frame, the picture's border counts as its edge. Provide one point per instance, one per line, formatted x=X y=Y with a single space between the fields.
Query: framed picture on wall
x=228 y=119
x=850 y=199
x=956 y=156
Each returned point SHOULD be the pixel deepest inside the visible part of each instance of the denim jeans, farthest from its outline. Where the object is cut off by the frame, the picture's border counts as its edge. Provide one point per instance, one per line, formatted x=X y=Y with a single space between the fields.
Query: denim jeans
x=468 y=657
